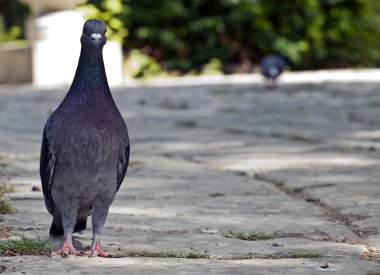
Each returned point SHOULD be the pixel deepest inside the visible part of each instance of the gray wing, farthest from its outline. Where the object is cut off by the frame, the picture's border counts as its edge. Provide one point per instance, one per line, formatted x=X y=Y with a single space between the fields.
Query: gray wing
x=47 y=163
x=122 y=167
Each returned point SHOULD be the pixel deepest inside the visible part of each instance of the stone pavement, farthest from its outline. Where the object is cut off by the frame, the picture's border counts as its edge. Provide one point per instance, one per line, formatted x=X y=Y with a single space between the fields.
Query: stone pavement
x=301 y=162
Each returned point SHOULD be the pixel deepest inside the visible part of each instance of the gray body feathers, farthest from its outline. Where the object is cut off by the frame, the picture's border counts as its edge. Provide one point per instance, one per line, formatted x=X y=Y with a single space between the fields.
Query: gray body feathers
x=85 y=150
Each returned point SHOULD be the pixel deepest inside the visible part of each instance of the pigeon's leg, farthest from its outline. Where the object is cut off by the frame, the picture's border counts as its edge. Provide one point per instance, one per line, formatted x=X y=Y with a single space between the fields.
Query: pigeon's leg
x=99 y=216
x=274 y=83
x=271 y=83
x=67 y=247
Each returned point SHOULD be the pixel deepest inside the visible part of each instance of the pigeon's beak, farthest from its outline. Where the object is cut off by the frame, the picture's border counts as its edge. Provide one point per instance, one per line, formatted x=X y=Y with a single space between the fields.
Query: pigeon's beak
x=96 y=38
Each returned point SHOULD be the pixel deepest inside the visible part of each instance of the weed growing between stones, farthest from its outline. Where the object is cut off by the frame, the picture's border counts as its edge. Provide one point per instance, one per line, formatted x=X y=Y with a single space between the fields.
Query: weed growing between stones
x=276 y=182
x=4 y=188
x=6 y=206
x=24 y=246
x=247 y=256
x=187 y=124
x=373 y=254
x=4 y=233
x=250 y=236
x=169 y=105
x=165 y=254
x=217 y=194
x=296 y=254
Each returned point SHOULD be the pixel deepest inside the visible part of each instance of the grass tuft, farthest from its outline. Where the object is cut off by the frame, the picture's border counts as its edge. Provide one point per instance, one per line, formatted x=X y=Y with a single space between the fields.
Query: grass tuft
x=373 y=254
x=300 y=138
x=250 y=193
x=250 y=236
x=142 y=102
x=6 y=206
x=247 y=256
x=24 y=246
x=4 y=233
x=295 y=254
x=217 y=194
x=228 y=110
x=4 y=188
x=197 y=255
x=374 y=104
x=187 y=124
x=164 y=254
x=167 y=104
x=277 y=183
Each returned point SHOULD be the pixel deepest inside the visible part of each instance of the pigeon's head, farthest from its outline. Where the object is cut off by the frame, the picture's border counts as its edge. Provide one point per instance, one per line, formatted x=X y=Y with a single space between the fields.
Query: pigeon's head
x=94 y=33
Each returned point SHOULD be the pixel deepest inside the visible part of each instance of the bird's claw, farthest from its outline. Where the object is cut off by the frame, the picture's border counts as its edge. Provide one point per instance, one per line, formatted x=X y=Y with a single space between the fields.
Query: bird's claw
x=65 y=252
x=96 y=252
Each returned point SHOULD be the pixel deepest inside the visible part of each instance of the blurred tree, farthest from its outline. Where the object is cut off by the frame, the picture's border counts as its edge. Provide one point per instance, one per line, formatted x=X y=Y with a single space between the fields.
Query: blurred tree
x=351 y=32
x=112 y=12
x=12 y=18
x=183 y=35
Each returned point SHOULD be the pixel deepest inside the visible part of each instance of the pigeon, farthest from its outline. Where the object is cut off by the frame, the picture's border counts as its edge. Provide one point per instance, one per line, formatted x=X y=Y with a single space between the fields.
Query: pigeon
x=85 y=149
x=272 y=66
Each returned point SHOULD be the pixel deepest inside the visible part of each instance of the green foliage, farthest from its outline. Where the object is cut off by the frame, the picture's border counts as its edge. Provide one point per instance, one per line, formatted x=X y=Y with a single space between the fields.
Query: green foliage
x=110 y=11
x=204 y=35
x=184 y=35
x=213 y=67
x=141 y=65
x=12 y=18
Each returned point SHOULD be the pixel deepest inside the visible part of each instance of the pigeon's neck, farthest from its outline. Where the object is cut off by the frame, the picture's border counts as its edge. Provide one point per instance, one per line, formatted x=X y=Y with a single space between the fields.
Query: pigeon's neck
x=90 y=76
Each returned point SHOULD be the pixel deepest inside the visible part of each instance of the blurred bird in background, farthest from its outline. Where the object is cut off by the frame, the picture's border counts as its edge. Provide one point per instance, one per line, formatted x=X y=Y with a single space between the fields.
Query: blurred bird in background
x=272 y=65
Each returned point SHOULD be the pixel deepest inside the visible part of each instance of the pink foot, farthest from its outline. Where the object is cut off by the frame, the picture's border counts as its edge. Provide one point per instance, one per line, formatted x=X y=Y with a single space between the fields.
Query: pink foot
x=65 y=251
x=96 y=251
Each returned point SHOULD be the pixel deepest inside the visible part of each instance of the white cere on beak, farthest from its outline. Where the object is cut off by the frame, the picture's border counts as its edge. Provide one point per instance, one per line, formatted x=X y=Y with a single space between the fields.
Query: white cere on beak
x=96 y=36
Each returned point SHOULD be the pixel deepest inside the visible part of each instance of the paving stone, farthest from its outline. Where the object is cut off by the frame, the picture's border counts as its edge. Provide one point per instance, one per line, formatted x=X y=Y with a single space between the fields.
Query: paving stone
x=300 y=162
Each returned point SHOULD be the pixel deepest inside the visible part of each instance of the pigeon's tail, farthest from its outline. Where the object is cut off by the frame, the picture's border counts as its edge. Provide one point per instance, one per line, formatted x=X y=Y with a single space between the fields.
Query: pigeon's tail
x=274 y=72
x=56 y=229
x=80 y=225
